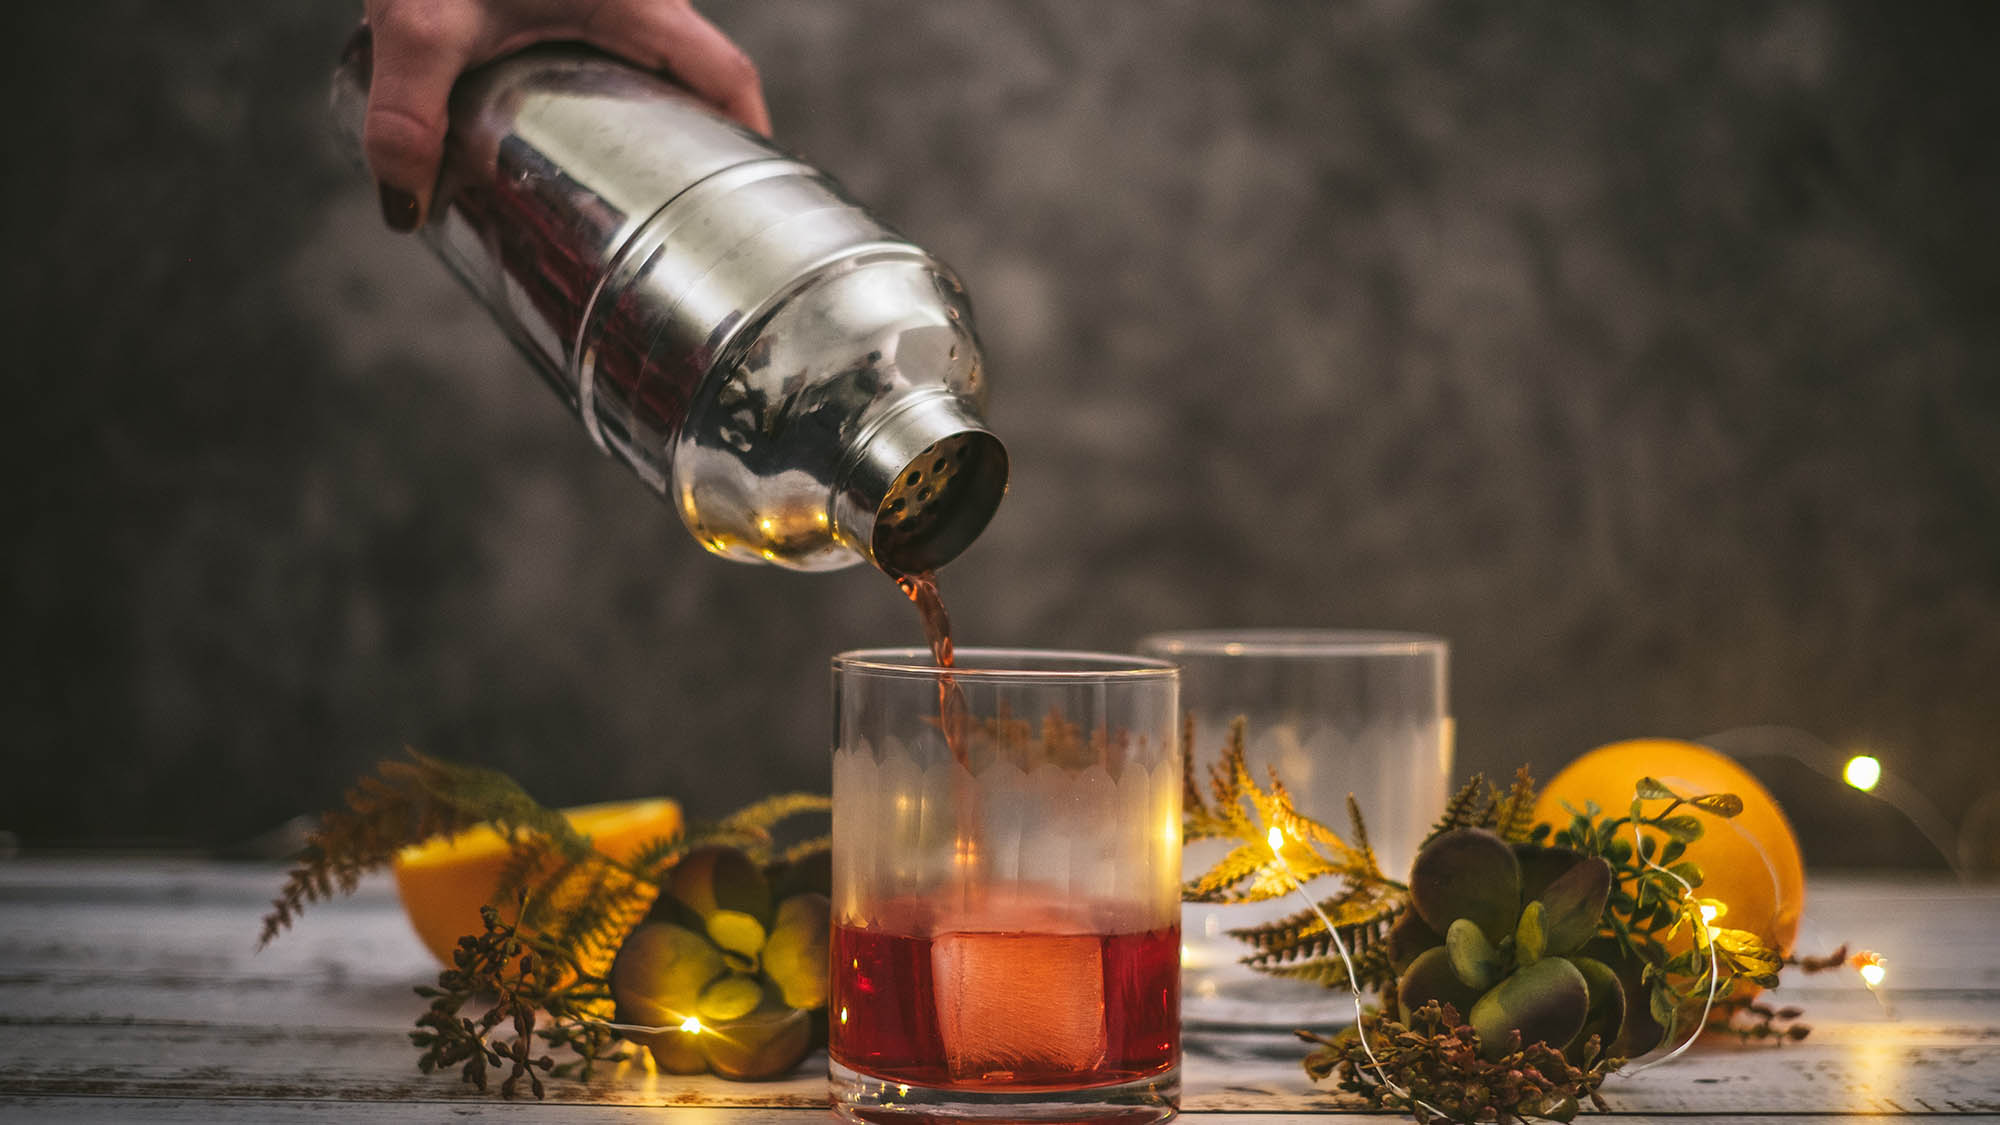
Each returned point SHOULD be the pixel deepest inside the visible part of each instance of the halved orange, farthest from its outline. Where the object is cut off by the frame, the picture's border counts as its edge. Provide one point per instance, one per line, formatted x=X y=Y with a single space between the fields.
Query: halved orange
x=445 y=880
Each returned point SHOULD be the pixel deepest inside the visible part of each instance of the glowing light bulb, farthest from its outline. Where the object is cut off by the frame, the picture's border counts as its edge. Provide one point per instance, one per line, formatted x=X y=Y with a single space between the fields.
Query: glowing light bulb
x=1710 y=911
x=1862 y=772
x=1872 y=974
x=1277 y=838
x=765 y=525
x=691 y=1024
x=843 y=1009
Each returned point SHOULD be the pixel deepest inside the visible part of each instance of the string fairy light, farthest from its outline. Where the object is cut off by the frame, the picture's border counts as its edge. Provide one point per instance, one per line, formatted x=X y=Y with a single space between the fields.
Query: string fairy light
x=1874 y=970
x=692 y=1025
x=1276 y=838
x=1700 y=917
x=1862 y=772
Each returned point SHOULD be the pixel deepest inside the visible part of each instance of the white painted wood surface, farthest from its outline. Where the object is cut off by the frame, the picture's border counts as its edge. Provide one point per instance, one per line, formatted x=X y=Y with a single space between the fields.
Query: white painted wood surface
x=130 y=990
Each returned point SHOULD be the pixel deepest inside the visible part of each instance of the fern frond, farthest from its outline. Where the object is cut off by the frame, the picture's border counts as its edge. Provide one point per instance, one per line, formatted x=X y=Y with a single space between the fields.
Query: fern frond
x=1230 y=776
x=401 y=804
x=1362 y=914
x=1241 y=863
x=750 y=827
x=656 y=855
x=1297 y=825
x=1192 y=804
x=1372 y=971
x=524 y=860
x=1514 y=819
x=1464 y=810
x=806 y=849
x=1364 y=851
x=1204 y=825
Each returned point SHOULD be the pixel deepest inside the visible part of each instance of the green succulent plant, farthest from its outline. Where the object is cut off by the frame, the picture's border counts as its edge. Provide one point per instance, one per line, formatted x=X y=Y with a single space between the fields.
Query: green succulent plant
x=1497 y=931
x=725 y=969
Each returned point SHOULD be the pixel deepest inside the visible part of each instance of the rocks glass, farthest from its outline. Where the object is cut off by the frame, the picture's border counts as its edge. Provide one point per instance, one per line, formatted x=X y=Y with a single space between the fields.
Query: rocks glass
x=1006 y=887
x=1336 y=712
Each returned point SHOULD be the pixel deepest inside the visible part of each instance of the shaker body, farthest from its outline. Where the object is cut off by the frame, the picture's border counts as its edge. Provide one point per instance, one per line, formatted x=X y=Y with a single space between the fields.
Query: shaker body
x=755 y=346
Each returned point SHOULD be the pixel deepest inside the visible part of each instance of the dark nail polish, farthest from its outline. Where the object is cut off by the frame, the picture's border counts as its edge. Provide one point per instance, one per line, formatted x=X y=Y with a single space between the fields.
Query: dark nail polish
x=399 y=209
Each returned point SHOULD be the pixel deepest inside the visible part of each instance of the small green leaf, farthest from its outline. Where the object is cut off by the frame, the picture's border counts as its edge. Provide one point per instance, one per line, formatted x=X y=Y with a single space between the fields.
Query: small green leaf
x=1673 y=851
x=1682 y=828
x=1662 y=1006
x=1721 y=804
x=1530 y=935
x=1688 y=870
x=1653 y=789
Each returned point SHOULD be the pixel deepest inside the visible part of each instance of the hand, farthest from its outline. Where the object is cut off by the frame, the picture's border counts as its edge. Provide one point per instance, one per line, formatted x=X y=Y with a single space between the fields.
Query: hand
x=422 y=46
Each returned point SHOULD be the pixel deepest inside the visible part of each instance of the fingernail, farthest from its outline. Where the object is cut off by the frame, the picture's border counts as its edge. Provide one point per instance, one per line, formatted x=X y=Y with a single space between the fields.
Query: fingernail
x=399 y=209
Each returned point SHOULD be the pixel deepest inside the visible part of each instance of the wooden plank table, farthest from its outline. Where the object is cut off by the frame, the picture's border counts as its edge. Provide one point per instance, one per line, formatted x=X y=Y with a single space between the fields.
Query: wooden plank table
x=129 y=990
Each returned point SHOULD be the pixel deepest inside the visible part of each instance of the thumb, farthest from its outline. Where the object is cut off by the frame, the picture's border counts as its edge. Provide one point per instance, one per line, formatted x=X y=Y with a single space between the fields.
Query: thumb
x=415 y=64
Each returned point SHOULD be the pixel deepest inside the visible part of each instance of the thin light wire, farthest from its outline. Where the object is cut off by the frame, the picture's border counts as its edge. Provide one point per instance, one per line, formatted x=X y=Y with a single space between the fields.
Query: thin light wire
x=1708 y=939
x=1353 y=982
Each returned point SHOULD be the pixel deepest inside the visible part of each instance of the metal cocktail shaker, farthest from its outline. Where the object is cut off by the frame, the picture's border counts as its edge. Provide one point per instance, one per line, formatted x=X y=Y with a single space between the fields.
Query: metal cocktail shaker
x=800 y=381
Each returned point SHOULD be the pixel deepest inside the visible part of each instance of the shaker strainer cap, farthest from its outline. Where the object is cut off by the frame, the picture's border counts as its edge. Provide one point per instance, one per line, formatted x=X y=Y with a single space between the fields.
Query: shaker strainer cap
x=927 y=479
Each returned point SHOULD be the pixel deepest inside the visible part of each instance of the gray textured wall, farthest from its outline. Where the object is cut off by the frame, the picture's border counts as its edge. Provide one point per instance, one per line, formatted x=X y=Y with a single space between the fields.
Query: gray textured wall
x=1647 y=352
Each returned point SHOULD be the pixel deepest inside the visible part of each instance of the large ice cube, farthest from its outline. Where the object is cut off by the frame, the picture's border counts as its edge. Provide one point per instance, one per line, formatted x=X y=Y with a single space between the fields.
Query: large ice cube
x=1019 y=1004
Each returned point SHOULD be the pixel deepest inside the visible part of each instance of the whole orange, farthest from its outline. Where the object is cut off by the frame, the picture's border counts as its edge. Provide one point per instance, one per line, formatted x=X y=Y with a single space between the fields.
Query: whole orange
x=445 y=880
x=1750 y=862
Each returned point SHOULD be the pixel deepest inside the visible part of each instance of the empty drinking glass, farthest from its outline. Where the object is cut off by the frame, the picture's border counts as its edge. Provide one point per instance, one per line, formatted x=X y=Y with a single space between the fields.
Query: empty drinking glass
x=1336 y=712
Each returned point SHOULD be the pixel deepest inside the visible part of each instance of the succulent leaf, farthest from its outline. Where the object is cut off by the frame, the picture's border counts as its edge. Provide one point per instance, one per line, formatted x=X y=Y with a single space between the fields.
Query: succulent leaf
x=721 y=878
x=1409 y=937
x=1541 y=866
x=732 y=997
x=1605 y=1015
x=1468 y=873
x=1574 y=904
x=736 y=932
x=1530 y=936
x=1546 y=1002
x=660 y=973
x=1473 y=958
x=1430 y=977
x=796 y=956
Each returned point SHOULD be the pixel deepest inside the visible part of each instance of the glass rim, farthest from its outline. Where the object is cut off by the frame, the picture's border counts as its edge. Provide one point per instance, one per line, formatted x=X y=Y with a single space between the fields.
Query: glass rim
x=1294 y=642
x=1085 y=666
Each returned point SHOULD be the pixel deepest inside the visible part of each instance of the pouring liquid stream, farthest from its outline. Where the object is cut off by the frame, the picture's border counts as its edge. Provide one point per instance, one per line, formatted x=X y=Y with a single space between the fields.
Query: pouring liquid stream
x=922 y=589
x=954 y=720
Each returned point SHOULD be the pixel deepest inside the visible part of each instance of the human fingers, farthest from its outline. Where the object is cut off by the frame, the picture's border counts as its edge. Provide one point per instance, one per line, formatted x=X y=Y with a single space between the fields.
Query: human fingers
x=419 y=50
x=673 y=37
